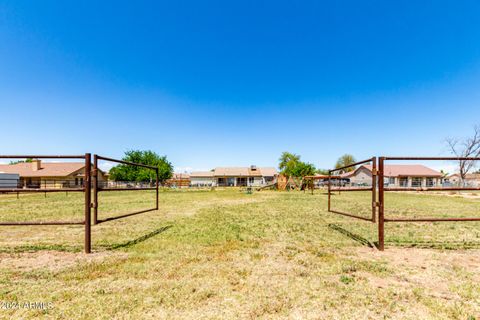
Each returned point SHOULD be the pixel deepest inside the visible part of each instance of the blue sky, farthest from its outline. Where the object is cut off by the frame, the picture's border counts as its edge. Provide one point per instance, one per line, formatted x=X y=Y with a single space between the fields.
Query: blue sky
x=216 y=83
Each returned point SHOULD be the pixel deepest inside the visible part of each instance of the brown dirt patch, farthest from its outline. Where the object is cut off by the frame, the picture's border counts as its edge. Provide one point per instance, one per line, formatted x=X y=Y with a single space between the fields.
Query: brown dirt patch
x=50 y=260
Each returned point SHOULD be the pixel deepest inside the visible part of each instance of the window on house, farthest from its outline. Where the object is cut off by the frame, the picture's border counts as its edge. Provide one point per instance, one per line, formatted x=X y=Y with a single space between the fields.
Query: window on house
x=76 y=181
x=251 y=180
x=404 y=182
x=416 y=182
x=391 y=180
x=430 y=182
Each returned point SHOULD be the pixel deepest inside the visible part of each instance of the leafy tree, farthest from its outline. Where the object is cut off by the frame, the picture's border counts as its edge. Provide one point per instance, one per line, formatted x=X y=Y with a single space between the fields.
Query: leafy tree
x=288 y=161
x=125 y=172
x=346 y=160
x=28 y=160
x=303 y=169
x=291 y=166
x=322 y=172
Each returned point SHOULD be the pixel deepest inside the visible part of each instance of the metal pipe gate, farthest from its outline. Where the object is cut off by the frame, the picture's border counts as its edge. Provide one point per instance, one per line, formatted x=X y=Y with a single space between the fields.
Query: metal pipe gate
x=378 y=187
x=86 y=189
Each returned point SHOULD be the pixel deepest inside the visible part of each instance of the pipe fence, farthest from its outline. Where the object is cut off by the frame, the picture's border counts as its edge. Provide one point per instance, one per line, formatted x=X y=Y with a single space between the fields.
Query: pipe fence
x=378 y=189
x=86 y=183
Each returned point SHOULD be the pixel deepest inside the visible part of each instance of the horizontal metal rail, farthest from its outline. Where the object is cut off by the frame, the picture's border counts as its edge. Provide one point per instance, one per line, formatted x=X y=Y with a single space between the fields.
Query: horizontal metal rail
x=125 y=215
x=351 y=165
x=351 y=189
x=351 y=215
x=431 y=158
x=126 y=189
x=20 y=190
x=429 y=219
x=42 y=157
x=40 y=223
x=432 y=189
x=126 y=162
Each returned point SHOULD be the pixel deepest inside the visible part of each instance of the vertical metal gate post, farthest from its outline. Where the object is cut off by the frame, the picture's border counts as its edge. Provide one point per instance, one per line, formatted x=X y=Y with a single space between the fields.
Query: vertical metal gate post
x=88 y=186
x=156 y=188
x=95 y=189
x=329 y=189
x=374 y=189
x=381 y=190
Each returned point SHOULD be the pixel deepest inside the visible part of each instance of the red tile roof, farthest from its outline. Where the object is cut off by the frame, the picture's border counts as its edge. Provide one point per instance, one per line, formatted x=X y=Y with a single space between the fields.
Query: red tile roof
x=401 y=170
x=237 y=172
x=48 y=169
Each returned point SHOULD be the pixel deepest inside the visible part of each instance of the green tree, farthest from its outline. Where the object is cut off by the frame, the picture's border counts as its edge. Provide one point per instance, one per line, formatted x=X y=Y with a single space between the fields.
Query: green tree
x=28 y=160
x=303 y=169
x=125 y=172
x=288 y=161
x=346 y=160
x=291 y=166
x=322 y=172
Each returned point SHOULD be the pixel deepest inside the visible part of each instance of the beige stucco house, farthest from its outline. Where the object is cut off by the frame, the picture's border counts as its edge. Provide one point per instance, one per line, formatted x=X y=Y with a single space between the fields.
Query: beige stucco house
x=252 y=176
x=44 y=175
x=471 y=179
x=397 y=175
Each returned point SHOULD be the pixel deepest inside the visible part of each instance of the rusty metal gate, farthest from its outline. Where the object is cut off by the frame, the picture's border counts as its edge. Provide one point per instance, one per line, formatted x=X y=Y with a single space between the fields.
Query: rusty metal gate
x=338 y=181
x=378 y=190
x=86 y=187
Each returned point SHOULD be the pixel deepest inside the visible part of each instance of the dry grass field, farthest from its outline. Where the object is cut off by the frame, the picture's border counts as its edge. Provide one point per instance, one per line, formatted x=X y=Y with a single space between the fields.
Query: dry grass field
x=229 y=255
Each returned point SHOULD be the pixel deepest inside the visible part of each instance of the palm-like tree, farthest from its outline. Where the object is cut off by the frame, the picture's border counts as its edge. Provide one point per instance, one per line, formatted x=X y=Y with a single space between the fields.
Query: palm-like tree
x=346 y=160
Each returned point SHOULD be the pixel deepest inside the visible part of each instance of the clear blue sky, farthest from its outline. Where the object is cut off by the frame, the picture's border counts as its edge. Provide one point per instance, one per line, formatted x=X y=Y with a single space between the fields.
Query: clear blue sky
x=212 y=83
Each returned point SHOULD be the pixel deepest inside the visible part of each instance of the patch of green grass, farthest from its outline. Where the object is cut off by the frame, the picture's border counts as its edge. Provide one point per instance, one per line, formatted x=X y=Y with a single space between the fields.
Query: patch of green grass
x=225 y=254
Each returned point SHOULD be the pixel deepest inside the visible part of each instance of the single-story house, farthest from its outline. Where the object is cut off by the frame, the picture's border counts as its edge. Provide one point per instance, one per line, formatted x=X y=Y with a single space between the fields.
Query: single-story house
x=252 y=176
x=178 y=180
x=397 y=175
x=471 y=179
x=39 y=174
x=9 y=180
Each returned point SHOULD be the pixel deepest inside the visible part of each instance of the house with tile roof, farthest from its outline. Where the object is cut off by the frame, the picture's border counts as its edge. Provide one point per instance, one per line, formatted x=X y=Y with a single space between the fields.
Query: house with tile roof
x=397 y=175
x=252 y=176
x=471 y=179
x=39 y=174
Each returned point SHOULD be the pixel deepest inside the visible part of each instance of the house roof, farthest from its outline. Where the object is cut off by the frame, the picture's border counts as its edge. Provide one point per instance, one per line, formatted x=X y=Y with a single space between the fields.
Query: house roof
x=47 y=169
x=202 y=174
x=400 y=170
x=268 y=171
x=236 y=172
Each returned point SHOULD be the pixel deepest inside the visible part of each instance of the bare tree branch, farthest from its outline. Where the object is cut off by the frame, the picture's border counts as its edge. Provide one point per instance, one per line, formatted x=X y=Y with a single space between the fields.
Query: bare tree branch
x=465 y=148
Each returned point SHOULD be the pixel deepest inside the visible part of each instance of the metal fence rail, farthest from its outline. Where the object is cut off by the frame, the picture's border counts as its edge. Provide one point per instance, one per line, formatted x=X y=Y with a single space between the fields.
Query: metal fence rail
x=98 y=188
x=373 y=189
x=378 y=187
x=381 y=191
x=86 y=187
x=86 y=190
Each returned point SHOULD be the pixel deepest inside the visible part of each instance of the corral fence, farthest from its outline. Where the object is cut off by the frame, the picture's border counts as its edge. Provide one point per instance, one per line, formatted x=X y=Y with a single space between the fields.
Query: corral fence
x=88 y=184
x=378 y=189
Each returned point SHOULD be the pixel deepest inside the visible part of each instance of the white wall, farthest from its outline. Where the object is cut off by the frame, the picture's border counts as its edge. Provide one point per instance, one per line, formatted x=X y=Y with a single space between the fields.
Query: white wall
x=362 y=176
x=201 y=181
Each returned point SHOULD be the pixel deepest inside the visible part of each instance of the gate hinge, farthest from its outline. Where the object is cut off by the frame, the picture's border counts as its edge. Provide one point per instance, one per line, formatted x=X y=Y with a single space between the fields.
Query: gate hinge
x=94 y=172
x=374 y=172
